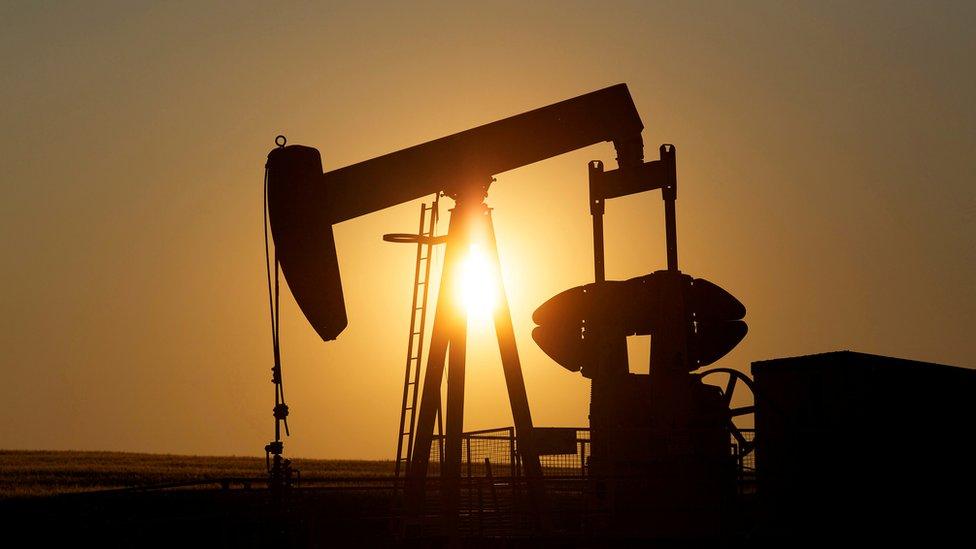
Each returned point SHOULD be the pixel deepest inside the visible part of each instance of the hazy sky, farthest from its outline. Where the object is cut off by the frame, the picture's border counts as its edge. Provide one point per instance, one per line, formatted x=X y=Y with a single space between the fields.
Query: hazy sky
x=826 y=164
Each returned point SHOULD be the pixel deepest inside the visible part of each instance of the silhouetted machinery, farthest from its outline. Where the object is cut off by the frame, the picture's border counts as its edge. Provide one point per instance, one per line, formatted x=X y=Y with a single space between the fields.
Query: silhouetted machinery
x=660 y=458
x=660 y=442
x=864 y=447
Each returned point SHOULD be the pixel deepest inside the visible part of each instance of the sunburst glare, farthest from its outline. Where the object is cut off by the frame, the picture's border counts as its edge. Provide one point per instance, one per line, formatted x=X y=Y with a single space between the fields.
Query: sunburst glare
x=478 y=288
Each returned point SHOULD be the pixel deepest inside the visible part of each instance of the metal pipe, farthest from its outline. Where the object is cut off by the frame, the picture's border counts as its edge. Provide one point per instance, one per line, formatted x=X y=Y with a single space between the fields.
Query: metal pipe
x=597 y=207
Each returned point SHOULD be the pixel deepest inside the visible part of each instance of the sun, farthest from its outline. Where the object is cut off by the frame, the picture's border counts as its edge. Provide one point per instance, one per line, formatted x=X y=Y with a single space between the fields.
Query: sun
x=478 y=286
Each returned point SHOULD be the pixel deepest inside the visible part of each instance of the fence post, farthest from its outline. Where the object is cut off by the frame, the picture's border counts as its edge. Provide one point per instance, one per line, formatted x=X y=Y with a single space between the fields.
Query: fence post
x=467 y=439
x=516 y=462
x=582 y=456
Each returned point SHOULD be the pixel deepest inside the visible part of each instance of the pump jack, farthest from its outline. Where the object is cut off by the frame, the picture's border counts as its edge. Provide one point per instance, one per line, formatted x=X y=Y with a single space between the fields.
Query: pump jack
x=660 y=441
x=304 y=203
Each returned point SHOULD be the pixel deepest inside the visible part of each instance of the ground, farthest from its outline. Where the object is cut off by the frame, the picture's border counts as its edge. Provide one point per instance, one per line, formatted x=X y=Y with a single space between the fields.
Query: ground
x=47 y=473
x=53 y=498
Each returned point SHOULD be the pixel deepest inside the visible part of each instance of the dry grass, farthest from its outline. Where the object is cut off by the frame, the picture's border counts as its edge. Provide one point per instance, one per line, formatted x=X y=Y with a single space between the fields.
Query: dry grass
x=43 y=473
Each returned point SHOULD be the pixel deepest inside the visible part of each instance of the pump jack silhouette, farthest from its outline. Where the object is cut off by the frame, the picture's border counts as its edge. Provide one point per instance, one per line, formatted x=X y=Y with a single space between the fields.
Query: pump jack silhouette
x=304 y=203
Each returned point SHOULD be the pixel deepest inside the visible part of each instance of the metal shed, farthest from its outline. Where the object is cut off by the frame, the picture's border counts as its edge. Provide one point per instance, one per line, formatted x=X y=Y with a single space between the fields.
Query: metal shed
x=854 y=442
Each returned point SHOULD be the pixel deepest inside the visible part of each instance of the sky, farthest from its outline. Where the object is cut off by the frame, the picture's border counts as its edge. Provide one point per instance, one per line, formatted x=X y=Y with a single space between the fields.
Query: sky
x=826 y=158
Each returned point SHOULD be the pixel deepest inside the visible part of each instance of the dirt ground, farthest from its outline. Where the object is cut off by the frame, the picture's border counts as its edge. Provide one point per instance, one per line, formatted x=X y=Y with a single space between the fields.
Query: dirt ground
x=46 y=473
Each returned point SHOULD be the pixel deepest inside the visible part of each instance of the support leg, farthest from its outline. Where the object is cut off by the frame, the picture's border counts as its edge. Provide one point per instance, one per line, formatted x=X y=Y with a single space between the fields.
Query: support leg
x=451 y=473
x=430 y=401
x=516 y=387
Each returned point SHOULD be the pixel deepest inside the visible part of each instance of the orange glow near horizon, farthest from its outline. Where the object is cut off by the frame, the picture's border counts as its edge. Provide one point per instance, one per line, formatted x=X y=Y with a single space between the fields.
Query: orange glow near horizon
x=134 y=150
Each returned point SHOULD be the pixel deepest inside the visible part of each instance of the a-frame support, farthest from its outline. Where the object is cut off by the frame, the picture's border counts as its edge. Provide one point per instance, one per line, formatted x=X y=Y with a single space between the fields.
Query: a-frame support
x=470 y=224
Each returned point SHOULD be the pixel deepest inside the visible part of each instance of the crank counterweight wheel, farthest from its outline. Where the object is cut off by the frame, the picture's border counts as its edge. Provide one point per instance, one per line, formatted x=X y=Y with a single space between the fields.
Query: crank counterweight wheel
x=741 y=417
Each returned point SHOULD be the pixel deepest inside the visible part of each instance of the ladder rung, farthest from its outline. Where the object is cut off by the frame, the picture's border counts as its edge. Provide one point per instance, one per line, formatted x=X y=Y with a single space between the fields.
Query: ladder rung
x=423 y=258
x=421 y=283
x=415 y=333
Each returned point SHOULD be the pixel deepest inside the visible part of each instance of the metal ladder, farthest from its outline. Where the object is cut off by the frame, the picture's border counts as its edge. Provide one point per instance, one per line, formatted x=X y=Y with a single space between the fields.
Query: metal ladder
x=415 y=342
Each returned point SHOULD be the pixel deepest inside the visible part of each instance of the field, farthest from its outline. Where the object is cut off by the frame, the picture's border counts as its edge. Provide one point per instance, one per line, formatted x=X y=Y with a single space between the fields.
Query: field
x=46 y=473
x=82 y=498
x=86 y=498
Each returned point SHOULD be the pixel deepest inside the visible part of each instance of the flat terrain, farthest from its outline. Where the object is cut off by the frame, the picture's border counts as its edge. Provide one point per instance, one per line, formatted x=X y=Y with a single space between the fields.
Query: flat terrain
x=79 y=498
x=46 y=473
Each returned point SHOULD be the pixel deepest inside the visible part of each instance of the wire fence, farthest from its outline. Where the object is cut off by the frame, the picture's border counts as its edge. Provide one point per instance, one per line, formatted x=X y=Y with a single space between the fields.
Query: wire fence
x=745 y=457
x=494 y=452
x=494 y=497
x=486 y=453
